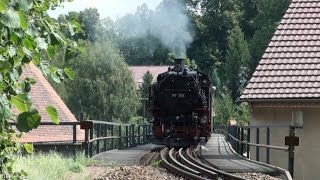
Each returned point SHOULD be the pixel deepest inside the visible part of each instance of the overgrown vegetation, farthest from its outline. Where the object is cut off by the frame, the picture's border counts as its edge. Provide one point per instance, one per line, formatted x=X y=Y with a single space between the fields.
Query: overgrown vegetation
x=50 y=166
x=27 y=35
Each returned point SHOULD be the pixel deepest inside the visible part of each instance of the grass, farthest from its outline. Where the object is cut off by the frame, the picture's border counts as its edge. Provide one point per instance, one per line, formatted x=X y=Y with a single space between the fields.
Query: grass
x=50 y=166
x=156 y=163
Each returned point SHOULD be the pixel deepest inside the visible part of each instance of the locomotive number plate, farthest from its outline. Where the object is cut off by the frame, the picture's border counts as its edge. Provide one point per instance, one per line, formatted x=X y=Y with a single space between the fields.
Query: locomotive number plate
x=177 y=95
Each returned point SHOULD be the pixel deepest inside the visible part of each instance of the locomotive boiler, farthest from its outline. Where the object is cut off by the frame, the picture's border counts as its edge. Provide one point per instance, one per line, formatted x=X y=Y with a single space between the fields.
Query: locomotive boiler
x=180 y=102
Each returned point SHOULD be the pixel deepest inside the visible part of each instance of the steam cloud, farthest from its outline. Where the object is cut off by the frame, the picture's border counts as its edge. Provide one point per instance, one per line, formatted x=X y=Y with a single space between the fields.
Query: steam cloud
x=169 y=23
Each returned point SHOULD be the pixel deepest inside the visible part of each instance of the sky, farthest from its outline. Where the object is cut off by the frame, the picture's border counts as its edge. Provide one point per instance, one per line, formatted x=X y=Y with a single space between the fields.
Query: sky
x=106 y=8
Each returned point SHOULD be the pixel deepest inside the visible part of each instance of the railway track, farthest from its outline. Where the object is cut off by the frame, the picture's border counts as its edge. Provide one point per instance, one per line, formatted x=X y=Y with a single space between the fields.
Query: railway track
x=187 y=164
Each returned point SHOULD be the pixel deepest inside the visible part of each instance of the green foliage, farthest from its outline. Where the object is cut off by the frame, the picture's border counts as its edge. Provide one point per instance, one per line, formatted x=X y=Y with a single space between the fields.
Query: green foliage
x=191 y=64
x=103 y=84
x=26 y=33
x=144 y=93
x=237 y=59
x=226 y=109
x=268 y=15
x=8 y=147
x=28 y=120
x=90 y=22
x=156 y=163
x=53 y=114
x=49 y=166
x=147 y=81
x=28 y=147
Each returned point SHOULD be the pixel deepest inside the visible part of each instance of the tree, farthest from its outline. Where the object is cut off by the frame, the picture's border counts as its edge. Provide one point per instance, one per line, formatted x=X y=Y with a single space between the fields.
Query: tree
x=269 y=13
x=237 y=60
x=89 y=20
x=225 y=108
x=102 y=73
x=147 y=81
x=212 y=28
x=144 y=89
x=27 y=35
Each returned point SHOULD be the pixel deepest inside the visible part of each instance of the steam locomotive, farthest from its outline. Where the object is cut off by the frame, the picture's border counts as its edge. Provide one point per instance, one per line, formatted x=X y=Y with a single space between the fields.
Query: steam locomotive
x=180 y=102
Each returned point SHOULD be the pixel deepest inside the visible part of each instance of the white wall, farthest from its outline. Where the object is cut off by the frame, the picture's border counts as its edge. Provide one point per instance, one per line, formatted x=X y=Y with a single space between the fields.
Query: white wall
x=307 y=154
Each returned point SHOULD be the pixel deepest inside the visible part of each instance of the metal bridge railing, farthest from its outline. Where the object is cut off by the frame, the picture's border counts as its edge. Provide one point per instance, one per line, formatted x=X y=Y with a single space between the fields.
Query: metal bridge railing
x=103 y=136
x=239 y=138
x=100 y=136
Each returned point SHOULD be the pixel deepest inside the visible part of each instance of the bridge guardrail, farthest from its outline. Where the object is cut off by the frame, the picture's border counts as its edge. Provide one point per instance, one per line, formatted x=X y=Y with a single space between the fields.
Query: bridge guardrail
x=239 y=138
x=101 y=135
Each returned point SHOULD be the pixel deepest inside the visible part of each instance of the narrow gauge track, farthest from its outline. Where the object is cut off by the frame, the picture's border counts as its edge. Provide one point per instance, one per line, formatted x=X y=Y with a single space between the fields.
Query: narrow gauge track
x=148 y=158
x=187 y=164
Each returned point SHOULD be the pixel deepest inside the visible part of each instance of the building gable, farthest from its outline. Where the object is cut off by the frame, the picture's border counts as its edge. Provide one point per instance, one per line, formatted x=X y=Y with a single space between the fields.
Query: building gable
x=42 y=95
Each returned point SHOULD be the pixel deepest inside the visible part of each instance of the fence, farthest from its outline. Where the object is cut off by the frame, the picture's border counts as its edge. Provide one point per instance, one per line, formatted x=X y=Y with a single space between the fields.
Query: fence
x=100 y=136
x=103 y=136
x=239 y=138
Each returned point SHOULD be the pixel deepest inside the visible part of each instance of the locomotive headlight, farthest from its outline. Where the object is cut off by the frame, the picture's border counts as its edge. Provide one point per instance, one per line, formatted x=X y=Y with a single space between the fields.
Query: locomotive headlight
x=195 y=117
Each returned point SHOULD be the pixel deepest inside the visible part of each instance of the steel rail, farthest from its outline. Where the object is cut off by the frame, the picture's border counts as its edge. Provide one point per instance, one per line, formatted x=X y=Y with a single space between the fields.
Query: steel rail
x=176 y=162
x=209 y=173
x=174 y=169
x=219 y=172
x=152 y=157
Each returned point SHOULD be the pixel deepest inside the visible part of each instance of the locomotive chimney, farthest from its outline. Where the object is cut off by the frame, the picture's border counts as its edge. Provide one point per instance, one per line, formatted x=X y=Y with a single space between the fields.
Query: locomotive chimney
x=179 y=61
x=179 y=65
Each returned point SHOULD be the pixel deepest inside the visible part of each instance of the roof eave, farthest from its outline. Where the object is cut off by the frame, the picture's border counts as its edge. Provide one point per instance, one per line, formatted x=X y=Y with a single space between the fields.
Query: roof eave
x=281 y=100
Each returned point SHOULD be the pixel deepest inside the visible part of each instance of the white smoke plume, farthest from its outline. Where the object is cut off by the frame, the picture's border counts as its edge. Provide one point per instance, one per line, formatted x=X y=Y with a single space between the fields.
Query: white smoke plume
x=169 y=23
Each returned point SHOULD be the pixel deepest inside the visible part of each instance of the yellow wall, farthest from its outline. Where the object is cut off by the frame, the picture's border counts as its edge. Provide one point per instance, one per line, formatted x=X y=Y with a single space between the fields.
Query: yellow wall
x=307 y=154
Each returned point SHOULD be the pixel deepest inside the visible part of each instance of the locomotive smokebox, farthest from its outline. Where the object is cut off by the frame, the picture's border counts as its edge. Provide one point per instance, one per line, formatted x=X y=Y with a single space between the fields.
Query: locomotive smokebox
x=179 y=65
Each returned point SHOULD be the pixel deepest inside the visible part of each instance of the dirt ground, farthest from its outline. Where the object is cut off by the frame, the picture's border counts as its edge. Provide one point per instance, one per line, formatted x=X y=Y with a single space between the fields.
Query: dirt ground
x=123 y=173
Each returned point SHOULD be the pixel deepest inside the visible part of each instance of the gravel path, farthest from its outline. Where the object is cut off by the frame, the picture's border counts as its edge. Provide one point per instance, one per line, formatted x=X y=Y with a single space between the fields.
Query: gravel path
x=130 y=173
x=256 y=176
x=122 y=172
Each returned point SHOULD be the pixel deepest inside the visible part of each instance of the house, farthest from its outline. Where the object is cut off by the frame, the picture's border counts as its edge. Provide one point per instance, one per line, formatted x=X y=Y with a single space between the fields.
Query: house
x=285 y=88
x=139 y=71
x=43 y=95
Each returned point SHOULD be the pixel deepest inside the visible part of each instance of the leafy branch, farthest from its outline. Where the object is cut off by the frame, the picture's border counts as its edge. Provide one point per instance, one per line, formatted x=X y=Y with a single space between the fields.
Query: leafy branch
x=27 y=34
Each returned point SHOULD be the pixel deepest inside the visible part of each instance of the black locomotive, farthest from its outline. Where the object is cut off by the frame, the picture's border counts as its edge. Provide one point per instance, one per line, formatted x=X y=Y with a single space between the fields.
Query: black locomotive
x=180 y=102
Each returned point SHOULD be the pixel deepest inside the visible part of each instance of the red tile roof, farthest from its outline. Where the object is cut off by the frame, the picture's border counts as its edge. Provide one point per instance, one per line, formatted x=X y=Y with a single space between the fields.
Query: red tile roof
x=43 y=95
x=290 y=66
x=139 y=71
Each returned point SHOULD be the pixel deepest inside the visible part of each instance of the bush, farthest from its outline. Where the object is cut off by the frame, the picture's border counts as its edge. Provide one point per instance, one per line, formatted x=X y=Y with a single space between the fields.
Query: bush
x=226 y=109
